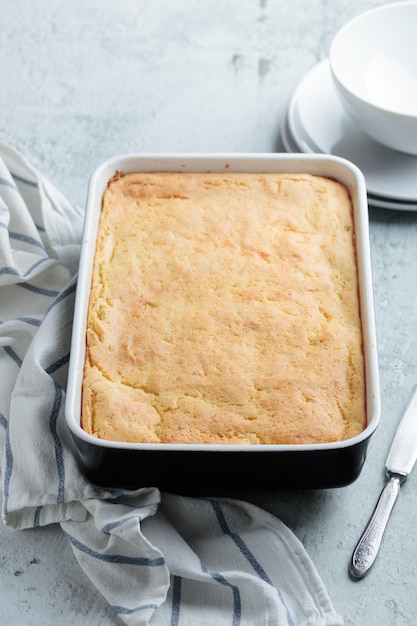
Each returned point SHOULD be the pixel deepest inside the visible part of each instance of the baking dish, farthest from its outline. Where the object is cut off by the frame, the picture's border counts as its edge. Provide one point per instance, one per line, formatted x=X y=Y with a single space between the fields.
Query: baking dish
x=203 y=468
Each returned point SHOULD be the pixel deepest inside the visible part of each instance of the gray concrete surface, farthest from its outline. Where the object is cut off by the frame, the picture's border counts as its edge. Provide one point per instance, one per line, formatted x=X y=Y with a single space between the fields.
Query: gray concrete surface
x=85 y=80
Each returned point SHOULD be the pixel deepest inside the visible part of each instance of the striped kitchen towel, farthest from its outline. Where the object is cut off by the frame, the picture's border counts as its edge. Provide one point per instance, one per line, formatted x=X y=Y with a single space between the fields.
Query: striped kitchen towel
x=157 y=558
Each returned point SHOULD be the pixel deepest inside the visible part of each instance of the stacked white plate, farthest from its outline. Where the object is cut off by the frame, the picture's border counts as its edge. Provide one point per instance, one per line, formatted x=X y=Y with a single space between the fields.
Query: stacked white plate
x=316 y=122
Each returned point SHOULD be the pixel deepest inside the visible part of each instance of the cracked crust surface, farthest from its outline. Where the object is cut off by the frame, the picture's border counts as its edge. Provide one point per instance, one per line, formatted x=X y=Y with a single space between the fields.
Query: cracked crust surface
x=224 y=309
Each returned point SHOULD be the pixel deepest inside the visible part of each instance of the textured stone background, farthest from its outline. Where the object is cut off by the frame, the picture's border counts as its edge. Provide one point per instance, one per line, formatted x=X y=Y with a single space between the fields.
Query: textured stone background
x=84 y=80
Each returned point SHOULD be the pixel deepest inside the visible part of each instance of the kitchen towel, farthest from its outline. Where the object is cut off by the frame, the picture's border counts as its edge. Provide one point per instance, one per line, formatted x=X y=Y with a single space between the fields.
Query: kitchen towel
x=157 y=558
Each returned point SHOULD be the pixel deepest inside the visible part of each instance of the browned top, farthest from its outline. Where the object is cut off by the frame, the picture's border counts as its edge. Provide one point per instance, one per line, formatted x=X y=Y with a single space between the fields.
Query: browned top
x=224 y=309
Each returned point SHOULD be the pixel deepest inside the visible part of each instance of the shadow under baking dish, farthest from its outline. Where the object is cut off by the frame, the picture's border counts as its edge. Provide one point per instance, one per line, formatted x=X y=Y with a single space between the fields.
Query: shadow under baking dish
x=201 y=469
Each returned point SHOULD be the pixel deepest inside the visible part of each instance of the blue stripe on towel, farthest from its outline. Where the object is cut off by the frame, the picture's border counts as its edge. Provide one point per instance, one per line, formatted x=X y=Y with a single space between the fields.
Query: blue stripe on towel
x=123 y=610
x=7 y=183
x=26 y=239
x=237 y=603
x=107 y=528
x=237 y=539
x=32 y=321
x=59 y=452
x=36 y=264
x=8 y=468
x=9 y=270
x=26 y=181
x=29 y=320
x=115 y=558
x=176 y=600
x=59 y=363
x=12 y=354
x=37 y=517
x=13 y=271
x=64 y=294
x=39 y=290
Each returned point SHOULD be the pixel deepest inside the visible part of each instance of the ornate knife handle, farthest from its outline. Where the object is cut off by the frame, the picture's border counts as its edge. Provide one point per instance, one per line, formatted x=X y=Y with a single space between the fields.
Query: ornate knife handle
x=367 y=548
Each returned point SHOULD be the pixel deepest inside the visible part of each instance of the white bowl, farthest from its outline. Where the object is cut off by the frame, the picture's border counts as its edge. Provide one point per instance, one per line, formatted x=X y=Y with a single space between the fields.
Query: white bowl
x=373 y=59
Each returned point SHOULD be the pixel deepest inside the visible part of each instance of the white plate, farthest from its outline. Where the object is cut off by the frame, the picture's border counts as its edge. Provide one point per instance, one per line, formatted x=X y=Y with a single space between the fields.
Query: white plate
x=316 y=122
x=296 y=145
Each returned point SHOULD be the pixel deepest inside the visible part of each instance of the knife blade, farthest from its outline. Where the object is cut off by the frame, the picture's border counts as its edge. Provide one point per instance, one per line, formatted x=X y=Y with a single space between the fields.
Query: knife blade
x=400 y=461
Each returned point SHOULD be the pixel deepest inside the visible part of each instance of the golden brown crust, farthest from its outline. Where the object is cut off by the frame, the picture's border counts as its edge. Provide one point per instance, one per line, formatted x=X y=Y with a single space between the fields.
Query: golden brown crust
x=224 y=309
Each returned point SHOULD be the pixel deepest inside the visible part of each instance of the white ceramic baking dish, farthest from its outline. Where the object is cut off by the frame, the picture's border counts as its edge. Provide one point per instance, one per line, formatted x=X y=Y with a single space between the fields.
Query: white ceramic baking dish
x=200 y=468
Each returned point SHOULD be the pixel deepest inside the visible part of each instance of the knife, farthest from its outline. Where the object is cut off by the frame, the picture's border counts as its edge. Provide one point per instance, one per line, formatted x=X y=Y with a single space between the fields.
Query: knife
x=399 y=463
